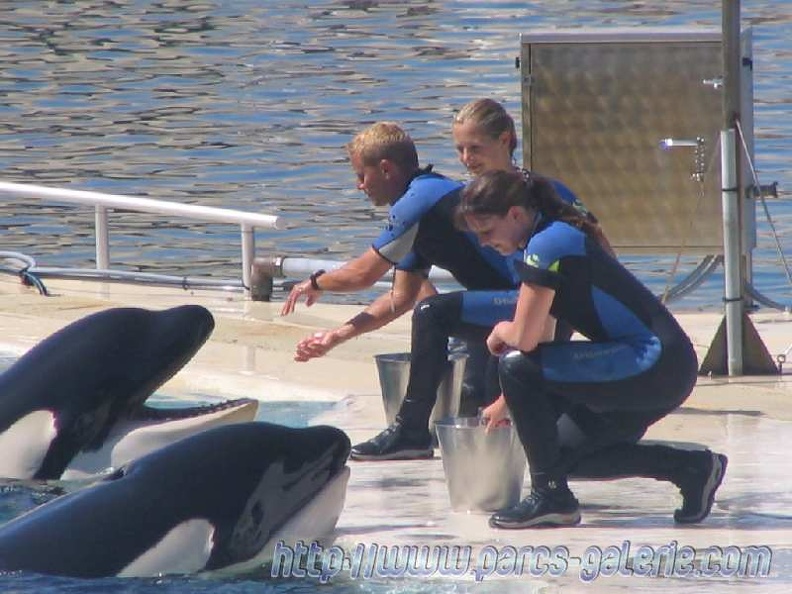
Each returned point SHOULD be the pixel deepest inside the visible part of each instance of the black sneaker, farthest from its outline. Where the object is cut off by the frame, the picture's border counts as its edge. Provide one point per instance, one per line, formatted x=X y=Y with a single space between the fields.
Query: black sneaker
x=542 y=508
x=698 y=483
x=395 y=443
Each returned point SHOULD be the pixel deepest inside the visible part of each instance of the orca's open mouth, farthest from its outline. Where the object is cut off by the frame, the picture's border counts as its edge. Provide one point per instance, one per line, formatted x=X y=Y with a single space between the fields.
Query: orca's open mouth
x=150 y=413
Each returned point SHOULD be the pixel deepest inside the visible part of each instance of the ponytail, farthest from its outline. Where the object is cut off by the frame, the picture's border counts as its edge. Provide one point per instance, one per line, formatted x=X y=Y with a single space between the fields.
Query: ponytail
x=495 y=192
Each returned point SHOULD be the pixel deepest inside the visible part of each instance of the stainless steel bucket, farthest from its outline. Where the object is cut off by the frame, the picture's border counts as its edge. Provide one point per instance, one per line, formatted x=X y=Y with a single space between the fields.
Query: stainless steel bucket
x=394 y=373
x=484 y=471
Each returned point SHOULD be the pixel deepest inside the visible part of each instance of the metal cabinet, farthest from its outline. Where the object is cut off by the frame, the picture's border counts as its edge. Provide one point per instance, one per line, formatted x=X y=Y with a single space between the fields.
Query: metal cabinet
x=630 y=120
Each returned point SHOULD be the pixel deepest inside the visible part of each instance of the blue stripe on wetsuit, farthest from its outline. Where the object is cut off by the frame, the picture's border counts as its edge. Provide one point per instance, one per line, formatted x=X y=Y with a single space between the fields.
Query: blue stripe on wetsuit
x=487 y=308
x=595 y=362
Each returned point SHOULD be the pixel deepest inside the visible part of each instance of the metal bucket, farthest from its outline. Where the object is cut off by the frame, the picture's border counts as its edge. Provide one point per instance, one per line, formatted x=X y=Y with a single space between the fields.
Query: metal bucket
x=394 y=373
x=484 y=471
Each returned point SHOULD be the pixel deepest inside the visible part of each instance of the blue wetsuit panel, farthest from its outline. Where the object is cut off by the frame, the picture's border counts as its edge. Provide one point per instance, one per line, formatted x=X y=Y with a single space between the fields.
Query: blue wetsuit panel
x=405 y=215
x=421 y=233
x=564 y=193
x=604 y=302
x=487 y=308
x=569 y=197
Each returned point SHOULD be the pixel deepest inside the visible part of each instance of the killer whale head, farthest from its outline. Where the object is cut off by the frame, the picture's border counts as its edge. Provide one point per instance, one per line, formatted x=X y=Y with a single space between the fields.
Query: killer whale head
x=82 y=391
x=208 y=502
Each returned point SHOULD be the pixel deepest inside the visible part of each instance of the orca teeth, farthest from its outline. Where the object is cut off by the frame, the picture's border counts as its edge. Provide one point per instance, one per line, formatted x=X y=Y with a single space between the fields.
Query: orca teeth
x=146 y=412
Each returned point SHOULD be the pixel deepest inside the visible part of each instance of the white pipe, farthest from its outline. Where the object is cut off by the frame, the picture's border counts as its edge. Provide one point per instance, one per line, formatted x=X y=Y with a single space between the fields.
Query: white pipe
x=302 y=267
x=731 y=253
x=205 y=213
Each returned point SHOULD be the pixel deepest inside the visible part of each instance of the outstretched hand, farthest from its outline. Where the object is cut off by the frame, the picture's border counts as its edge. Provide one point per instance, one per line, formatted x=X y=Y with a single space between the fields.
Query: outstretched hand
x=316 y=345
x=299 y=290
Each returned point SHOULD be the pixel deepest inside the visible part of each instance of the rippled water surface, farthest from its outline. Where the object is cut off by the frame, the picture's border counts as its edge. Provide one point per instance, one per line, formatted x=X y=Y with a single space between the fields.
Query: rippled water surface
x=248 y=105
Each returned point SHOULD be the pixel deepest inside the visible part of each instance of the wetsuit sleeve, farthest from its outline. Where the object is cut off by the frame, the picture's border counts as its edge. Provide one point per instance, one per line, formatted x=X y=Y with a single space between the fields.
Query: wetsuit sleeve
x=412 y=262
x=542 y=257
x=531 y=275
x=396 y=241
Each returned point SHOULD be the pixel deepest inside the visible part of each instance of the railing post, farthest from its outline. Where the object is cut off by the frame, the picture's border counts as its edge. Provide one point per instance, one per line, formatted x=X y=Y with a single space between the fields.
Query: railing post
x=102 y=238
x=248 y=252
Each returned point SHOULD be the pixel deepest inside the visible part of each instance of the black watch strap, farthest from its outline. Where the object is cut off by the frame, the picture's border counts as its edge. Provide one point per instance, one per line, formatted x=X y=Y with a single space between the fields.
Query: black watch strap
x=313 y=278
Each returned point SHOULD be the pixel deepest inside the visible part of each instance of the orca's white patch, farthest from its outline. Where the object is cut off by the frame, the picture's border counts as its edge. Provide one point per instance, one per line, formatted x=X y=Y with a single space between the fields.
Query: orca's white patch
x=25 y=444
x=316 y=521
x=128 y=439
x=185 y=549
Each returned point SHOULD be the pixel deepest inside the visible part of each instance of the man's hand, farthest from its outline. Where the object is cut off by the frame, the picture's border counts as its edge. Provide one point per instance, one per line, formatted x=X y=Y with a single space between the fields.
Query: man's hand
x=303 y=289
x=316 y=345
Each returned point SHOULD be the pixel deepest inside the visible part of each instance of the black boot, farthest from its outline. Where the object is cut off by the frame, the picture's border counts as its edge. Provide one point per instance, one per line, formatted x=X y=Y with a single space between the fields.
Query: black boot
x=698 y=482
x=697 y=473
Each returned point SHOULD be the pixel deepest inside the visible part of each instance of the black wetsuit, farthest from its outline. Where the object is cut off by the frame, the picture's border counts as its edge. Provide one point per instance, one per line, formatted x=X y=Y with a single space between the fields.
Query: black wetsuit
x=637 y=366
x=421 y=233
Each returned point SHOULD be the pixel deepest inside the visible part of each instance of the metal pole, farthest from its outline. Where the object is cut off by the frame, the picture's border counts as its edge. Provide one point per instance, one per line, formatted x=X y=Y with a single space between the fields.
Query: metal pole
x=746 y=153
x=732 y=62
x=731 y=254
x=731 y=194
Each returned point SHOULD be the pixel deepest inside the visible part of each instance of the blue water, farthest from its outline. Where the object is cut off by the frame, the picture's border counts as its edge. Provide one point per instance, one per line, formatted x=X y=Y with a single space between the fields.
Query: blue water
x=248 y=104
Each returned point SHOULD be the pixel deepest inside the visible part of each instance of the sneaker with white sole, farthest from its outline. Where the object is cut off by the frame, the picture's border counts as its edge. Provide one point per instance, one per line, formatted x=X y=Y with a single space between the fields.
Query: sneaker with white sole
x=542 y=508
x=395 y=443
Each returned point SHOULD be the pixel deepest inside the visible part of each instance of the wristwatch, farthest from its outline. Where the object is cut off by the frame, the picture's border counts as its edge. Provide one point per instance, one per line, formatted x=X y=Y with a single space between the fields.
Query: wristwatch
x=313 y=278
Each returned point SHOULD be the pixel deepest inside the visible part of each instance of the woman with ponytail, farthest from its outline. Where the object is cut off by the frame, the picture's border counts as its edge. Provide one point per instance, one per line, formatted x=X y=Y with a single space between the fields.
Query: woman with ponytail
x=485 y=139
x=581 y=407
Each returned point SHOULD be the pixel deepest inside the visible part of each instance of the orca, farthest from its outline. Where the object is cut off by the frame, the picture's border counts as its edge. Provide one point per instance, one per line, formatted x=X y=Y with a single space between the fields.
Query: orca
x=79 y=395
x=217 y=501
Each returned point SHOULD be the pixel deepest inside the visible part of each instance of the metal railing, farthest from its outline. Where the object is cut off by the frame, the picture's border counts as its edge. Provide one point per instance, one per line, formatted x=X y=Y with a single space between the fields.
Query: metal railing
x=247 y=221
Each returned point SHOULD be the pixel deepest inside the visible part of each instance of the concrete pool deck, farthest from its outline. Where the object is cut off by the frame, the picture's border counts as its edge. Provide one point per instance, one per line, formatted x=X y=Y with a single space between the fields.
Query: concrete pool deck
x=406 y=503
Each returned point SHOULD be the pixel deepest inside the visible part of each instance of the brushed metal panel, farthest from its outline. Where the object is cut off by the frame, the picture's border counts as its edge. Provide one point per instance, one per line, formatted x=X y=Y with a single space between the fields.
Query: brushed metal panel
x=594 y=115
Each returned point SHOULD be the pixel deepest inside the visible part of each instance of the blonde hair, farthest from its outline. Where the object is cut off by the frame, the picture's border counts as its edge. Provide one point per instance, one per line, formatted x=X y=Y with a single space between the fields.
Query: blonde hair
x=385 y=140
x=491 y=117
